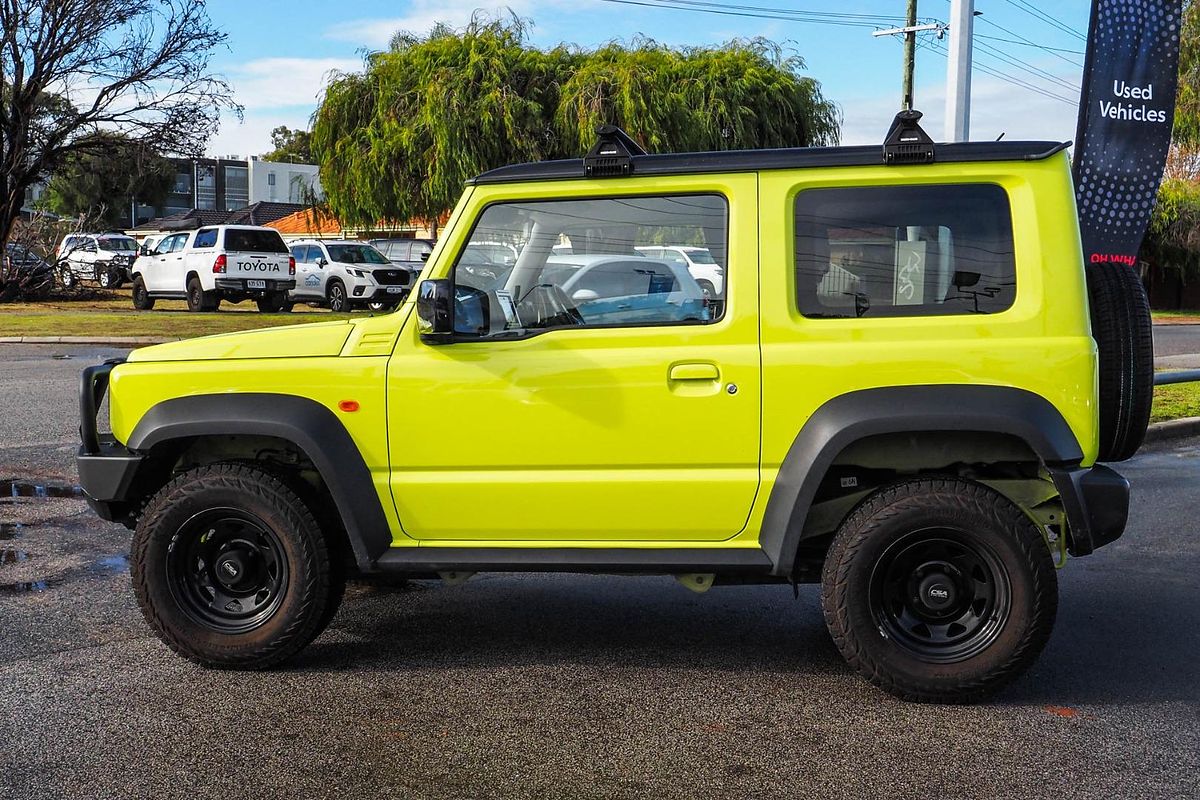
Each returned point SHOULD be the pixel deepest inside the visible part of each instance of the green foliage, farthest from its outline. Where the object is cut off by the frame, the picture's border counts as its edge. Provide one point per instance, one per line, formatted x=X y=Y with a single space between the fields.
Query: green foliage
x=291 y=146
x=1187 y=97
x=1173 y=238
x=101 y=179
x=399 y=139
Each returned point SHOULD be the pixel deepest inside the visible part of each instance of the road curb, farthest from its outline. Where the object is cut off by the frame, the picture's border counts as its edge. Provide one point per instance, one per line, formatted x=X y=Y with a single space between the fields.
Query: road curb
x=115 y=341
x=1173 y=429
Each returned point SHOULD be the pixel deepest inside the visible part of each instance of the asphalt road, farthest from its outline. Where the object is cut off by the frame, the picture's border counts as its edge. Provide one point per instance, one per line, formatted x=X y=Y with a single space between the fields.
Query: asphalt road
x=585 y=686
x=1175 y=340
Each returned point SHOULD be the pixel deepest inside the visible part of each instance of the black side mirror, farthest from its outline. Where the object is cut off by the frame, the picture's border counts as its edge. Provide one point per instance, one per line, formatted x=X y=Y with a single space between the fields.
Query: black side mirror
x=321 y=262
x=965 y=280
x=435 y=311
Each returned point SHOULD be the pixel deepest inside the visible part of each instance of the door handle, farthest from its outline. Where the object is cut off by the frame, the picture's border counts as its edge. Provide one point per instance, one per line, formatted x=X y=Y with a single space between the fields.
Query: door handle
x=694 y=372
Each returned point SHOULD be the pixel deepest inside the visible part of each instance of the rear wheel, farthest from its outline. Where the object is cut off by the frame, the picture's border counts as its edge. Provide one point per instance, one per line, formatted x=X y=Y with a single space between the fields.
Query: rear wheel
x=142 y=300
x=336 y=297
x=200 y=300
x=231 y=569
x=274 y=303
x=381 y=308
x=939 y=590
x=1121 y=326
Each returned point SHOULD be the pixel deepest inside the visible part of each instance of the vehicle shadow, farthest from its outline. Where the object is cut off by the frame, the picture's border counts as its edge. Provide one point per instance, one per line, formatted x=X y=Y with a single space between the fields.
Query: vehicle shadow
x=503 y=621
x=1114 y=643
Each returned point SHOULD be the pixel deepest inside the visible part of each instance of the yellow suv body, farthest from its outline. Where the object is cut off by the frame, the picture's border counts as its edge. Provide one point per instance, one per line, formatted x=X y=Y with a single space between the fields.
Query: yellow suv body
x=552 y=399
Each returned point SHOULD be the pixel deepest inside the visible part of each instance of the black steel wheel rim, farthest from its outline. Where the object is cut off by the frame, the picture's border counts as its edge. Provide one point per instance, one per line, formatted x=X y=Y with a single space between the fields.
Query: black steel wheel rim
x=227 y=570
x=940 y=594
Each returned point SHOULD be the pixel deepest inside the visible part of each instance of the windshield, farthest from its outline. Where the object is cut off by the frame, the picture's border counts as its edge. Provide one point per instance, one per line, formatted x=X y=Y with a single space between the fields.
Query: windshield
x=241 y=240
x=355 y=254
x=700 y=257
x=117 y=244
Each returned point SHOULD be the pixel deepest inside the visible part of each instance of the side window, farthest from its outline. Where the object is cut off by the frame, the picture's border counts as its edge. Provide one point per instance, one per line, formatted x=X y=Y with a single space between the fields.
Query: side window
x=206 y=237
x=510 y=281
x=298 y=252
x=165 y=245
x=89 y=245
x=400 y=250
x=904 y=251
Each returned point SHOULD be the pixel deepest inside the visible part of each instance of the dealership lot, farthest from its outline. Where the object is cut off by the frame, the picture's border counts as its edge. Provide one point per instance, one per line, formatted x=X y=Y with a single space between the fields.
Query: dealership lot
x=570 y=686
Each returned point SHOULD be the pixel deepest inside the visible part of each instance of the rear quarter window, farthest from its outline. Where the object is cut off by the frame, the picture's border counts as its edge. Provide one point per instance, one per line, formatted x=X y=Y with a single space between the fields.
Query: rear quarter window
x=252 y=241
x=904 y=251
x=206 y=238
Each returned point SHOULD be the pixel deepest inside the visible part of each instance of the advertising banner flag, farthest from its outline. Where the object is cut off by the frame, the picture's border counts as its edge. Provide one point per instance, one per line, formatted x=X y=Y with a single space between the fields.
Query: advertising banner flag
x=1126 y=110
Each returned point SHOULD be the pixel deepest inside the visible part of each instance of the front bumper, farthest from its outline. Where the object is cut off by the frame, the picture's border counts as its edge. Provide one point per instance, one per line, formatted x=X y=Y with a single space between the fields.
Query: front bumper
x=380 y=294
x=1096 y=502
x=107 y=470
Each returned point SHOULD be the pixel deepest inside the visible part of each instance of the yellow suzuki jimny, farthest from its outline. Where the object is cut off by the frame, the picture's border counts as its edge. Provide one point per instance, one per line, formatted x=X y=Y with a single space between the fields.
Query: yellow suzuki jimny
x=893 y=394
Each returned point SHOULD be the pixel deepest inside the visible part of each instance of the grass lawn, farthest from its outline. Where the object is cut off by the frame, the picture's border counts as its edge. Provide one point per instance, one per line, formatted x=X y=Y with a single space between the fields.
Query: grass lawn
x=1175 y=401
x=115 y=316
x=1178 y=317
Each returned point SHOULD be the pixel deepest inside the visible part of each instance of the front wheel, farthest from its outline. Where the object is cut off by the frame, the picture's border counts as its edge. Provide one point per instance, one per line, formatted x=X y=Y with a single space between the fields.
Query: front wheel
x=336 y=297
x=939 y=590
x=381 y=308
x=109 y=277
x=231 y=569
x=142 y=300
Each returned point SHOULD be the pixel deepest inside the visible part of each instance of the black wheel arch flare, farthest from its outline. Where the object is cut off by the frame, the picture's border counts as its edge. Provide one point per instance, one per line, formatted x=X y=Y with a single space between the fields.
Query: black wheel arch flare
x=305 y=423
x=854 y=416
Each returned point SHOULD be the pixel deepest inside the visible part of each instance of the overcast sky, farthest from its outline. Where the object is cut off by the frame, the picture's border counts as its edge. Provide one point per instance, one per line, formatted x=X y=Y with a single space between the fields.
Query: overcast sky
x=281 y=54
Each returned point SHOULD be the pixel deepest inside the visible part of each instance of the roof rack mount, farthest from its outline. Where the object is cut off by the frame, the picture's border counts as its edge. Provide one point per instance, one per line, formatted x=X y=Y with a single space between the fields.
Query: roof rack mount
x=906 y=142
x=612 y=154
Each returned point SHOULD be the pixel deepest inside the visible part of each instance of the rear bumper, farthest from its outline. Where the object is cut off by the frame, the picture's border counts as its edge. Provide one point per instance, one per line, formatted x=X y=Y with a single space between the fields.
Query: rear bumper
x=238 y=286
x=1096 y=502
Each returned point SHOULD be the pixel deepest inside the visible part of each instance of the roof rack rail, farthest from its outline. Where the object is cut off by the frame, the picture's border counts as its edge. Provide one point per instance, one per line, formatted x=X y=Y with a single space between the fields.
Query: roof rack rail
x=906 y=142
x=612 y=154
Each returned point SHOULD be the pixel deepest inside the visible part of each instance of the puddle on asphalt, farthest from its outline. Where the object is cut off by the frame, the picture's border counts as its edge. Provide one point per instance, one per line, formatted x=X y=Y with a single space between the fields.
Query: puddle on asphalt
x=15 y=488
x=10 y=555
x=117 y=563
x=10 y=531
x=21 y=587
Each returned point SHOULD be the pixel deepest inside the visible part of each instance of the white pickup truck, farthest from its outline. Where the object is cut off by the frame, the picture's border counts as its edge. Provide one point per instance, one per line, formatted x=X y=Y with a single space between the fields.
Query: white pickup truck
x=215 y=263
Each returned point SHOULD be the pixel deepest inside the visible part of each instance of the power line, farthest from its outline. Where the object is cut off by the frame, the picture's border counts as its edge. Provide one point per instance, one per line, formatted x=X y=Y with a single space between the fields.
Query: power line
x=1011 y=78
x=1031 y=44
x=1051 y=50
x=1044 y=17
x=1025 y=66
x=761 y=12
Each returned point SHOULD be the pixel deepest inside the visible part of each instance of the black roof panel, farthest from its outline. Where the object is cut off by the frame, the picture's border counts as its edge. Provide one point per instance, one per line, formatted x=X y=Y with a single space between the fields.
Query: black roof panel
x=789 y=158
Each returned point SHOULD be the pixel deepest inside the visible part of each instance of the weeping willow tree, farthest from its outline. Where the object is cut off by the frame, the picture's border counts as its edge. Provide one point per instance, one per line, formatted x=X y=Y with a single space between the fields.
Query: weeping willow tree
x=398 y=140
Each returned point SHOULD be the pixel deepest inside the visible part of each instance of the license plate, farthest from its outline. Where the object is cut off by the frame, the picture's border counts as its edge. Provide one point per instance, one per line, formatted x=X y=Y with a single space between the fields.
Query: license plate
x=256 y=284
x=395 y=289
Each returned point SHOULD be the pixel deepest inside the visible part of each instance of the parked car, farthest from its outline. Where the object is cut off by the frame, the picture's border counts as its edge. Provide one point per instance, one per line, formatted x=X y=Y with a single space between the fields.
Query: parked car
x=408 y=253
x=103 y=257
x=218 y=263
x=25 y=267
x=698 y=260
x=150 y=243
x=927 y=454
x=343 y=274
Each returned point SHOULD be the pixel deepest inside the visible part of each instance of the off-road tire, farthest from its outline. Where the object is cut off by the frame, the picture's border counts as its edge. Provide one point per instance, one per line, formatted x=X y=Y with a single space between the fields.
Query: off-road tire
x=1121 y=326
x=305 y=601
x=142 y=300
x=336 y=297
x=274 y=303
x=200 y=300
x=897 y=514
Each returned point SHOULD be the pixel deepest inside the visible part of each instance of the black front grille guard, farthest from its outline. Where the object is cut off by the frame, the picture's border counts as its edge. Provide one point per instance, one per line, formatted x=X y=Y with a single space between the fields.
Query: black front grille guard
x=93 y=383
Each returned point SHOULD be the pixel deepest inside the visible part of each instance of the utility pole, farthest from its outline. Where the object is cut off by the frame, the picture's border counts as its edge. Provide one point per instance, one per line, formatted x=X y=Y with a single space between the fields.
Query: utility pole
x=958 y=71
x=910 y=54
x=910 y=32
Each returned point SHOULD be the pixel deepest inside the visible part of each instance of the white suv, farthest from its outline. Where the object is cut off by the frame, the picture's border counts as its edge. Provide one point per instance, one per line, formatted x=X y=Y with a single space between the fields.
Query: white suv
x=343 y=274
x=698 y=260
x=102 y=257
x=219 y=262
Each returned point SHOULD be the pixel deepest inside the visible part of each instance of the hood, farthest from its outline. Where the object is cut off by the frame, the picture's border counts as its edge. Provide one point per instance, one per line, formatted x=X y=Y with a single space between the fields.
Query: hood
x=289 y=341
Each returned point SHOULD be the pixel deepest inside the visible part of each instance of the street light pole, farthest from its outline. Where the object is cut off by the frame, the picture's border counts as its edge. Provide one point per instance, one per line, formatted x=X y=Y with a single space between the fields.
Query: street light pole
x=958 y=71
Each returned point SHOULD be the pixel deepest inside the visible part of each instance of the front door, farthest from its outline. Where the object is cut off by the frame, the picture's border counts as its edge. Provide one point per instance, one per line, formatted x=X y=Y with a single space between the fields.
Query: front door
x=591 y=397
